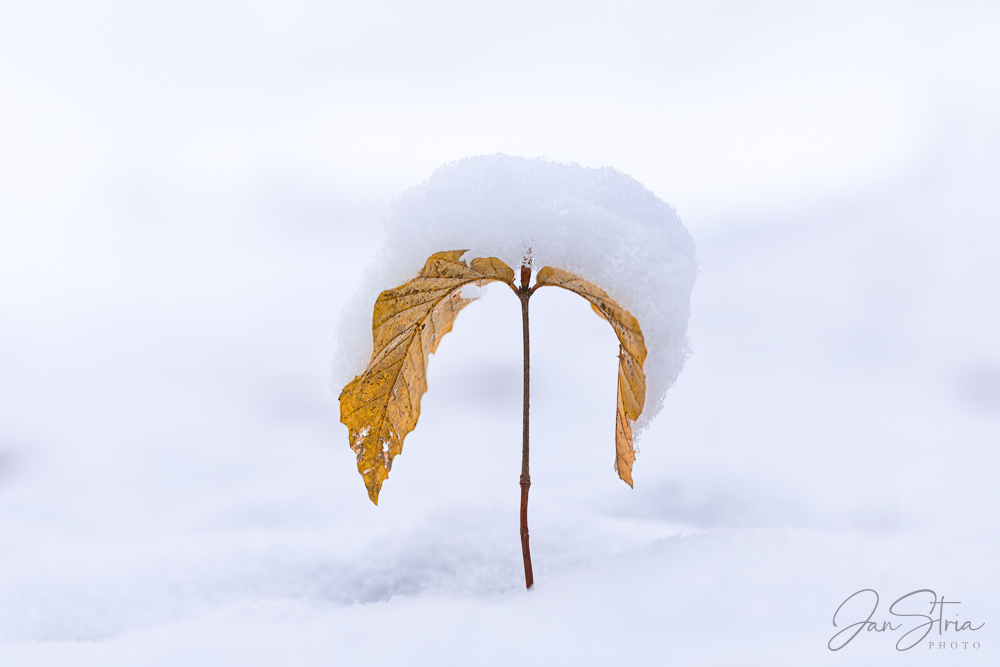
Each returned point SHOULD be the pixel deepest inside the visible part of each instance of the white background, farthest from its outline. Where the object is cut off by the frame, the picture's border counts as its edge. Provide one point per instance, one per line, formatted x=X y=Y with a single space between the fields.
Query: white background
x=190 y=190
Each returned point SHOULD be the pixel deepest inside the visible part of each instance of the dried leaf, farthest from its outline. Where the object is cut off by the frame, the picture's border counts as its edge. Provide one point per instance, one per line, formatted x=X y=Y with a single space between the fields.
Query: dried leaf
x=631 y=355
x=381 y=406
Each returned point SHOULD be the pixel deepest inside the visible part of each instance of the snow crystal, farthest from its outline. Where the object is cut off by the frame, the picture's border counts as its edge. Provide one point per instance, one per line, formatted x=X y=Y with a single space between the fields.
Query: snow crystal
x=600 y=224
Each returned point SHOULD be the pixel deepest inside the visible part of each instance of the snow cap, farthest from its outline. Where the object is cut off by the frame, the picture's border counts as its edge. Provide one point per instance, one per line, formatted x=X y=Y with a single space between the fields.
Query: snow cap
x=600 y=224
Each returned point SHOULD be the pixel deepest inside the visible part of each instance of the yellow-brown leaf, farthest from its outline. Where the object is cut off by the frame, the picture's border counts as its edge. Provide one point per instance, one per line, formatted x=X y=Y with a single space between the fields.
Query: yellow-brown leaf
x=381 y=406
x=632 y=354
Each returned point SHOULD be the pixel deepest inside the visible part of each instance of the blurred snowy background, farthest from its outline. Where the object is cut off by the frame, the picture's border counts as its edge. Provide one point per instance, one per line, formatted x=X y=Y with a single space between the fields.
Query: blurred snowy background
x=189 y=191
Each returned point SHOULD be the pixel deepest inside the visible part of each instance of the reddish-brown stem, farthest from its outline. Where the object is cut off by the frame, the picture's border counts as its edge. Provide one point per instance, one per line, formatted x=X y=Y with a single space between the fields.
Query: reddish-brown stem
x=524 y=293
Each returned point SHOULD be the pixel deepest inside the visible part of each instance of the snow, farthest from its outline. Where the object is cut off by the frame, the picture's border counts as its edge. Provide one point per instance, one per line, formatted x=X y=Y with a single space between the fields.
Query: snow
x=190 y=194
x=596 y=223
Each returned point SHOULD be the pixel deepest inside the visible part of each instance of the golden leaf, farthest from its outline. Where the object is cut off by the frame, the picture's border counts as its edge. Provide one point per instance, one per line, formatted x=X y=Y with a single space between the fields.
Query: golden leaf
x=381 y=406
x=631 y=355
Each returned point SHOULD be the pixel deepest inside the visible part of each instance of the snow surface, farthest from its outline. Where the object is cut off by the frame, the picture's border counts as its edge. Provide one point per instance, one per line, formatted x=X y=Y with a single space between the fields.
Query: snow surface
x=596 y=223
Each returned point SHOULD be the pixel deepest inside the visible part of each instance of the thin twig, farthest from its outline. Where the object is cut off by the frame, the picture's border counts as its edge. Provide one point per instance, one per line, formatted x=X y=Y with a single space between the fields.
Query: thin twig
x=524 y=293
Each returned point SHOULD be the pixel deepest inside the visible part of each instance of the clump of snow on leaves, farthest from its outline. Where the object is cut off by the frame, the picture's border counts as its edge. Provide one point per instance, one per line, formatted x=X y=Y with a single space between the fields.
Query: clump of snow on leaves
x=600 y=224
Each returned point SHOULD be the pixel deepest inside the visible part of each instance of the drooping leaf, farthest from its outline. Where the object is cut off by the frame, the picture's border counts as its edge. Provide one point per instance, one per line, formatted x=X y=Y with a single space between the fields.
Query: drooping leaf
x=631 y=356
x=381 y=406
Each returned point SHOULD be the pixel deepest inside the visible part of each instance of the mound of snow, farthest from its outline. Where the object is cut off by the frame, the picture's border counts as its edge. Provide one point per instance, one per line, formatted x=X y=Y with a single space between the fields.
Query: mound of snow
x=600 y=224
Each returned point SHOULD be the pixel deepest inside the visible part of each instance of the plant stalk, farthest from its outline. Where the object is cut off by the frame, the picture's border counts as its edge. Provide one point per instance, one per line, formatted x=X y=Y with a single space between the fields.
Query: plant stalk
x=524 y=293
